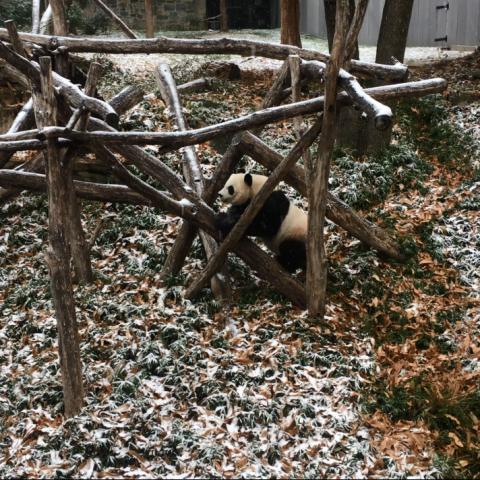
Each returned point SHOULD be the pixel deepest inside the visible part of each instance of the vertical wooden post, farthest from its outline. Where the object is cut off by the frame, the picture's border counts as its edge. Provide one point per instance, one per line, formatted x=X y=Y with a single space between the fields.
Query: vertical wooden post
x=318 y=175
x=60 y=28
x=149 y=19
x=78 y=242
x=58 y=255
x=298 y=125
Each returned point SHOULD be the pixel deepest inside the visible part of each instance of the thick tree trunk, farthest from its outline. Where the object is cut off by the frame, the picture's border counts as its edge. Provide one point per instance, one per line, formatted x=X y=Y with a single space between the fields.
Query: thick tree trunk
x=149 y=20
x=290 y=22
x=392 y=39
x=36 y=16
x=330 y=9
x=58 y=255
x=60 y=28
x=223 y=16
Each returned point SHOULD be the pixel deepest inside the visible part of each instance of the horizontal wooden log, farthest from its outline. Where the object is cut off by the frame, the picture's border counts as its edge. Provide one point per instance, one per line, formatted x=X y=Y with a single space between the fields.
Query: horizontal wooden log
x=227 y=46
x=337 y=211
x=101 y=192
x=66 y=88
x=195 y=85
x=175 y=140
x=382 y=114
x=126 y=99
x=23 y=120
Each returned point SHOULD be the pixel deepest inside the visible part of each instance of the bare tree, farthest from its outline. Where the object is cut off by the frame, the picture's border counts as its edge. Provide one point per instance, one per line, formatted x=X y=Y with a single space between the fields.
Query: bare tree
x=149 y=20
x=290 y=22
x=392 y=39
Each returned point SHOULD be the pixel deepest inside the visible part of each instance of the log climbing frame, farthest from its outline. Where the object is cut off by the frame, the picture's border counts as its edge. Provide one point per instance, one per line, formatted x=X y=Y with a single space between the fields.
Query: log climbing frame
x=62 y=120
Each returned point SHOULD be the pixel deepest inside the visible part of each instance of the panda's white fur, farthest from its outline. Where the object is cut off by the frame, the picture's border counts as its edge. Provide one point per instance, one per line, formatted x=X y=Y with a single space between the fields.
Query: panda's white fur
x=293 y=227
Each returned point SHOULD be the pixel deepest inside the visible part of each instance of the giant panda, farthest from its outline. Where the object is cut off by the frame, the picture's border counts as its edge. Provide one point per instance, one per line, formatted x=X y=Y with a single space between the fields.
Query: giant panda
x=280 y=224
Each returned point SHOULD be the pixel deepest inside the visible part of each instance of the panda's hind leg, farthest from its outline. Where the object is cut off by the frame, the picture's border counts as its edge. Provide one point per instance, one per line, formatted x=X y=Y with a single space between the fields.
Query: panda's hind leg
x=292 y=255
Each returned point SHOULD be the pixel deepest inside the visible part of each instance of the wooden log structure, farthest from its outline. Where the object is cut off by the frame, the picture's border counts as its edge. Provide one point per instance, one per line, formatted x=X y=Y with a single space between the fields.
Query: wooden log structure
x=204 y=47
x=192 y=173
x=101 y=192
x=66 y=88
x=58 y=255
x=175 y=140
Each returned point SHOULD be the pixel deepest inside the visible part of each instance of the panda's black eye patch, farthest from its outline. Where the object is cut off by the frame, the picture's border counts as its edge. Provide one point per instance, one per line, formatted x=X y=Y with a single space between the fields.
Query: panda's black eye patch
x=231 y=190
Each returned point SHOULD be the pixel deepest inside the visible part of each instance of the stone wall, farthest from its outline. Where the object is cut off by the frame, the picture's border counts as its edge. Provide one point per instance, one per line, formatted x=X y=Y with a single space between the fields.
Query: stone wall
x=169 y=14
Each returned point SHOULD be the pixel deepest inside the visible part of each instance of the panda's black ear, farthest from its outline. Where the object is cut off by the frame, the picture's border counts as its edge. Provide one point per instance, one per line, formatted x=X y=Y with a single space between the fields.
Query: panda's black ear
x=248 y=179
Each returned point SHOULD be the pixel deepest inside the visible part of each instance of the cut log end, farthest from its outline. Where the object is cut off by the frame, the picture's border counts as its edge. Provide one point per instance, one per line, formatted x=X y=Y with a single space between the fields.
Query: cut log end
x=112 y=119
x=383 y=122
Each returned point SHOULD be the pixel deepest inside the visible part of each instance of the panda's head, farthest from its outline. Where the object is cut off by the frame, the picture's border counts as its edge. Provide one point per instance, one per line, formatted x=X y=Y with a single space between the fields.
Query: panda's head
x=241 y=187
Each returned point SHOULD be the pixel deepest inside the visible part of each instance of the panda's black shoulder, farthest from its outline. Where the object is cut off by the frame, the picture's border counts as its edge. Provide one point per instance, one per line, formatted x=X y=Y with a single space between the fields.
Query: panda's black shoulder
x=278 y=204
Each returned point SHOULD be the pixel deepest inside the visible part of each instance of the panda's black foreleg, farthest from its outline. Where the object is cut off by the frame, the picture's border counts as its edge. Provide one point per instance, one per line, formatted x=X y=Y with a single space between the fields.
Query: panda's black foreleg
x=225 y=221
x=292 y=255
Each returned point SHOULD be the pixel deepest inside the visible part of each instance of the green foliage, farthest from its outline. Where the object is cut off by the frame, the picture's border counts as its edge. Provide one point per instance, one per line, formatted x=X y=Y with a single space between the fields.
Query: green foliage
x=427 y=122
x=20 y=11
x=365 y=182
x=444 y=411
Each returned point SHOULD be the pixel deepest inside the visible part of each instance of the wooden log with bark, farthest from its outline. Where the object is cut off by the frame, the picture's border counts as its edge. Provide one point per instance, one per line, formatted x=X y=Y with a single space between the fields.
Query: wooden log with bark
x=175 y=140
x=227 y=46
x=77 y=238
x=192 y=173
x=101 y=192
x=318 y=174
x=381 y=113
x=58 y=255
x=195 y=85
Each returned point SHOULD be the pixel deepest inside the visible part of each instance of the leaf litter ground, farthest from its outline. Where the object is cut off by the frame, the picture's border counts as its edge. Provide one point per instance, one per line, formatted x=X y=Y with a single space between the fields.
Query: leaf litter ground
x=387 y=386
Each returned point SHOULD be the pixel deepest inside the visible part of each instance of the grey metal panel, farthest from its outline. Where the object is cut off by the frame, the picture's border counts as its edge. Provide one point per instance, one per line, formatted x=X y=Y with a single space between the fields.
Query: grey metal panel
x=463 y=22
x=312 y=18
x=472 y=24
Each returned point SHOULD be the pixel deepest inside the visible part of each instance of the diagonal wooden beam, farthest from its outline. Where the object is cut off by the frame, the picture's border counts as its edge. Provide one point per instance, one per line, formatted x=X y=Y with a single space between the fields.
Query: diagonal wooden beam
x=192 y=173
